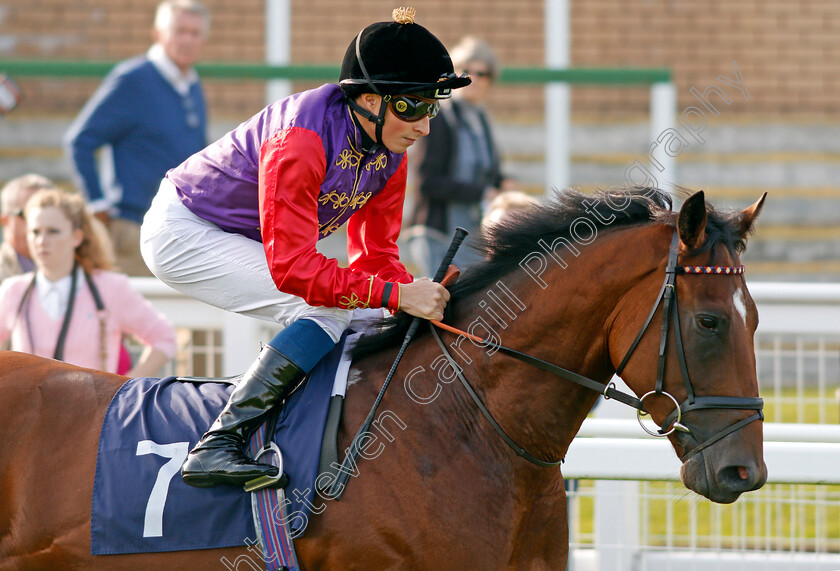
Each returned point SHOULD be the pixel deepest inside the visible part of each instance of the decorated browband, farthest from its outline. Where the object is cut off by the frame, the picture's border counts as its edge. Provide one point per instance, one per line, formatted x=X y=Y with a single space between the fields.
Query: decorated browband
x=715 y=270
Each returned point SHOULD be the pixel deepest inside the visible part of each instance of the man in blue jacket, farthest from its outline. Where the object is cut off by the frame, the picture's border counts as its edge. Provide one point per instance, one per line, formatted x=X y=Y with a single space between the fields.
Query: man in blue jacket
x=150 y=110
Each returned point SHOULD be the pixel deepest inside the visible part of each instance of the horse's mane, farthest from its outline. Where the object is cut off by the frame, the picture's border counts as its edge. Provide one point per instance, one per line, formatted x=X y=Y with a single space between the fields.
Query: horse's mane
x=506 y=243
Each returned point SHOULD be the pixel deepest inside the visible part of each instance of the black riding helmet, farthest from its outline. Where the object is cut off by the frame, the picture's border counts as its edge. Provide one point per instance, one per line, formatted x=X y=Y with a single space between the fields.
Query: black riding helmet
x=397 y=58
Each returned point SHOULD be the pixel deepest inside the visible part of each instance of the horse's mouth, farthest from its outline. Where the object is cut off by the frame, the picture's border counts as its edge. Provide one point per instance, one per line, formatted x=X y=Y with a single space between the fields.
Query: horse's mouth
x=722 y=484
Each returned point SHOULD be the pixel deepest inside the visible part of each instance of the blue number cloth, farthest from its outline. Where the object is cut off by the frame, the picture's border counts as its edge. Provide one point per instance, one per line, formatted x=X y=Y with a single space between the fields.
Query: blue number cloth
x=140 y=504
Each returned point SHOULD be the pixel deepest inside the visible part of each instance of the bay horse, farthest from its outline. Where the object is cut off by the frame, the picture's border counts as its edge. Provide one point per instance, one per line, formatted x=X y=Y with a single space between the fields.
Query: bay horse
x=573 y=283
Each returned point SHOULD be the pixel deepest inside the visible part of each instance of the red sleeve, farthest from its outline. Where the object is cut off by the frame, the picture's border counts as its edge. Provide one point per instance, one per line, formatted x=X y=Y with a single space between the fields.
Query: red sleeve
x=292 y=168
x=372 y=234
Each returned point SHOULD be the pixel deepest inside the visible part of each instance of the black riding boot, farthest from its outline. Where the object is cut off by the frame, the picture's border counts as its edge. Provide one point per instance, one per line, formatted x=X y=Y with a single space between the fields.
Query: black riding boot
x=218 y=457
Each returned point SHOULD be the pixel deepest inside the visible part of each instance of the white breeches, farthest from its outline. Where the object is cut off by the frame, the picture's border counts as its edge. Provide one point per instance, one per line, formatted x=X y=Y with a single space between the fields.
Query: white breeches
x=225 y=270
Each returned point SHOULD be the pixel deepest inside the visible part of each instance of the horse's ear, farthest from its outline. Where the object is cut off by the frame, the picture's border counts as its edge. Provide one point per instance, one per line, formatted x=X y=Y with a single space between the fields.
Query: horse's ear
x=691 y=223
x=746 y=218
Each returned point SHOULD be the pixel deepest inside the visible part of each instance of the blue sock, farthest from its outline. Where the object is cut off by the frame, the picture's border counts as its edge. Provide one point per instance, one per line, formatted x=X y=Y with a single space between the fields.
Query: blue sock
x=303 y=343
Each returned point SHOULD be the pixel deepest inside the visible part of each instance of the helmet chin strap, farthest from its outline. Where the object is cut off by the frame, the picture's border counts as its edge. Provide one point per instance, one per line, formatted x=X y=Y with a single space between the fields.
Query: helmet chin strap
x=379 y=119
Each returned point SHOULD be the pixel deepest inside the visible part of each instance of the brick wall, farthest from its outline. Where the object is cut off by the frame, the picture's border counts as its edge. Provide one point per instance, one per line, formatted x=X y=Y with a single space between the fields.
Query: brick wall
x=787 y=51
x=118 y=29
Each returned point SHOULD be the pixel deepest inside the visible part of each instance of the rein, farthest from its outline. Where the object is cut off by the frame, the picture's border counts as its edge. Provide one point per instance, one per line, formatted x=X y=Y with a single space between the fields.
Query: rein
x=481 y=406
x=667 y=297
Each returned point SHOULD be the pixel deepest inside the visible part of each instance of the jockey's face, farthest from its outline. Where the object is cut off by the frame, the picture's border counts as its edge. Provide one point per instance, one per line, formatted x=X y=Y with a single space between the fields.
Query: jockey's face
x=397 y=135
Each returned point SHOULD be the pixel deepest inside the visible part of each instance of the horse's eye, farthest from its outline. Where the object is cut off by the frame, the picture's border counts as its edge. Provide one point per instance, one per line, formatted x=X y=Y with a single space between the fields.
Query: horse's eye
x=707 y=322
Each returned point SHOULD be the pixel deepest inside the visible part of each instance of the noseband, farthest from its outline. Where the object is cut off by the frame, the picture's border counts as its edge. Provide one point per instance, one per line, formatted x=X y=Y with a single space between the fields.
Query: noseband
x=670 y=314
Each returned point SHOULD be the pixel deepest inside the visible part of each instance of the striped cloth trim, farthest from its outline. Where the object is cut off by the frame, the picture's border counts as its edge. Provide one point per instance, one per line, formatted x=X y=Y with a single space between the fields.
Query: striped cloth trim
x=271 y=519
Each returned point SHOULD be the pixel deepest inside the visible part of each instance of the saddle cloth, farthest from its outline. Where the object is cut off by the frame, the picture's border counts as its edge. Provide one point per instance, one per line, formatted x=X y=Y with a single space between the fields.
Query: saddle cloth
x=140 y=504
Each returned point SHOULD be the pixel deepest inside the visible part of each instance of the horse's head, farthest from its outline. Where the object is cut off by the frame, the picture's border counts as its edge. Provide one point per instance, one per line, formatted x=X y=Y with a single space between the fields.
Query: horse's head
x=701 y=357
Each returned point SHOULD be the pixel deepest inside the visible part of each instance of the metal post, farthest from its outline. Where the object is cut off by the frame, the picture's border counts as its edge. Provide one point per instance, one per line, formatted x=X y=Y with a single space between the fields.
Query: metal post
x=278 y=45
x=663 y=104
x=616 y=504
x=557 y=96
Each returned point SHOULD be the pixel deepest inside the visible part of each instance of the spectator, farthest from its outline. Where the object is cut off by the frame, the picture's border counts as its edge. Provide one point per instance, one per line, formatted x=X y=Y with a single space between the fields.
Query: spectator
x=237 y=224
x=71 y=308
x=459 y=168
x=14 y=253
x=150 y=110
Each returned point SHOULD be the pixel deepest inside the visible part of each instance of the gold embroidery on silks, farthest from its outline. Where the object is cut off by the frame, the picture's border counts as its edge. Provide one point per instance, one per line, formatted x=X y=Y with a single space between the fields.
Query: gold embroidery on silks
x=329 y=228
x=378 y=163
x=360 y=200
x=340 y=202
x=352 y=302
x=348 y=159
x=337 y=200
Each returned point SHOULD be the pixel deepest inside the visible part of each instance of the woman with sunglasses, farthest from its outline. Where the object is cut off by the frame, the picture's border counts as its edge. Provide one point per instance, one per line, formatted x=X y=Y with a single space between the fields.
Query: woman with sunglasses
x=458 y=167
x=236 y=225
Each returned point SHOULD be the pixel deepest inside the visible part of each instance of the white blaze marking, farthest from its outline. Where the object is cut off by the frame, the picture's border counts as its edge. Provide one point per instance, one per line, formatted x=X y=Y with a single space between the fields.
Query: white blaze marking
x=740 y=304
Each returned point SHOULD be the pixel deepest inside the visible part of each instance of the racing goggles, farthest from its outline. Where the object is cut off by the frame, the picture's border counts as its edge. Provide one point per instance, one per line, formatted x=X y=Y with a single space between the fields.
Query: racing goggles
x=409 y=108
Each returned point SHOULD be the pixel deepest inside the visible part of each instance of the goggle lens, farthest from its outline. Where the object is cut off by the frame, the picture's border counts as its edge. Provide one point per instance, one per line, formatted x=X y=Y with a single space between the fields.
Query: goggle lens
x=412 y=109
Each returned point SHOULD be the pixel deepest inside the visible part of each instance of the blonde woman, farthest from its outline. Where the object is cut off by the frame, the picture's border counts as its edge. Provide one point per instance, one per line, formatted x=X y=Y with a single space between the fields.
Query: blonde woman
x=72 y=307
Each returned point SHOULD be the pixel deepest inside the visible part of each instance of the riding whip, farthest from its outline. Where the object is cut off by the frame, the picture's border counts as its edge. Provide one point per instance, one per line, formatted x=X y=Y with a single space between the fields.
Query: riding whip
x=352 y=455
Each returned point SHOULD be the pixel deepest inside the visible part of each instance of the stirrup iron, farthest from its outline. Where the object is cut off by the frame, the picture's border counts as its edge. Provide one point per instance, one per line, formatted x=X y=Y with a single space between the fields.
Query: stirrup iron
x=261 y=482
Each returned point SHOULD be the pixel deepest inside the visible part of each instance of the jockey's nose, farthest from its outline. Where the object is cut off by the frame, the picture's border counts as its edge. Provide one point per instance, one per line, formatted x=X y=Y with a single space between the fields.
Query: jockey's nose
x=422 y=126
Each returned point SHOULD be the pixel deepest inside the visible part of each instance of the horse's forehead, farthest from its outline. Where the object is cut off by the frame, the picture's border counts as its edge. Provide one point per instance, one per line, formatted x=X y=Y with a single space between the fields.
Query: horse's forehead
x=725 y=288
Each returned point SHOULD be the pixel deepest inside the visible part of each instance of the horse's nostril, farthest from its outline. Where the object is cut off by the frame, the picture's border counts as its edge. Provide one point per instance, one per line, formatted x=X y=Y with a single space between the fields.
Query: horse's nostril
x=735 y=477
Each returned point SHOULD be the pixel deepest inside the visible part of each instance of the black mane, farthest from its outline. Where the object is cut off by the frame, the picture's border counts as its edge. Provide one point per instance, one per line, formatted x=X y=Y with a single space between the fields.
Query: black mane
x=505 y=244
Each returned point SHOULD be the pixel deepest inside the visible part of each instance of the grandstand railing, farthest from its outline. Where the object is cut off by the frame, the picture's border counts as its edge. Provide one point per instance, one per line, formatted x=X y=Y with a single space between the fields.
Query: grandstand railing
x=604 y=76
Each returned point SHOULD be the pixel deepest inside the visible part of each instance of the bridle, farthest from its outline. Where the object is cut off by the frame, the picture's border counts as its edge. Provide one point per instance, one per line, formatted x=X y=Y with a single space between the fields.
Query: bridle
x=667 y=297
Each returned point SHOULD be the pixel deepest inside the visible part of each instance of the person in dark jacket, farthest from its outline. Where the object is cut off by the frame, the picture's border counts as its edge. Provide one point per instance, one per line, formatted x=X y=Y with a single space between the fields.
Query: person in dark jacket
x=459 y=170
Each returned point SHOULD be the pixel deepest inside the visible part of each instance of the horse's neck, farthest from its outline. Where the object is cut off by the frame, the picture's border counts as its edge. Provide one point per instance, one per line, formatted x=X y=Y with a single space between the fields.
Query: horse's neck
x=567 y=324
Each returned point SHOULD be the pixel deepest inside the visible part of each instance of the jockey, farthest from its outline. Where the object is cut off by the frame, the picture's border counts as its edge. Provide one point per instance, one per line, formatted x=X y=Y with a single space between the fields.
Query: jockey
x=236 y=224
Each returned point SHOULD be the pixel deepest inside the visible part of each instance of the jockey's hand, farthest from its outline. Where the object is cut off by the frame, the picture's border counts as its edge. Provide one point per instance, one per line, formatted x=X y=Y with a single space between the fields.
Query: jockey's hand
x=423 y=298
